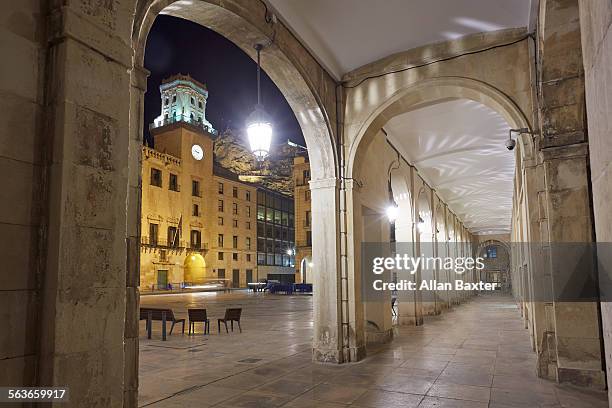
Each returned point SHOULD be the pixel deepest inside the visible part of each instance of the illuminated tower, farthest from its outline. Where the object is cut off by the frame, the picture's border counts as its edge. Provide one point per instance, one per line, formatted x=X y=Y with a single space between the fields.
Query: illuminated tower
x=183 y=99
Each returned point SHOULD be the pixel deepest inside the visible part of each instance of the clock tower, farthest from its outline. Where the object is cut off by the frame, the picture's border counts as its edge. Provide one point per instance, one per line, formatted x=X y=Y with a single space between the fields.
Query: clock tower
x=182 y=131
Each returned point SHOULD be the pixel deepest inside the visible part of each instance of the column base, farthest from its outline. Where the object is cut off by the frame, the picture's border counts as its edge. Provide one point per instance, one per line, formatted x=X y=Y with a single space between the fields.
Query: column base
x=326 y=356
x=350 y=355
x=379 y=337
x=594 y=379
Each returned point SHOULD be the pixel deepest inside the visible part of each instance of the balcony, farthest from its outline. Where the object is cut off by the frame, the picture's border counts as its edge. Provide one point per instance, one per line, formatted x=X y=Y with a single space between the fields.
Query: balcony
x=183 y=119
x=147 y=242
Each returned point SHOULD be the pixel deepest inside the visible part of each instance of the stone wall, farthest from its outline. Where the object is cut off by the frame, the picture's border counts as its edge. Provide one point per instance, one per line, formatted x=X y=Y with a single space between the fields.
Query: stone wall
x=596 y=24
x=22 y=159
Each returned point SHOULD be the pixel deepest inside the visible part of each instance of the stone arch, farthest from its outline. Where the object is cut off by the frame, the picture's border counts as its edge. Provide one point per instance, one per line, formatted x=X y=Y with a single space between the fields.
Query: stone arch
x=431 y=91
x=311 y=94
x=235 y=23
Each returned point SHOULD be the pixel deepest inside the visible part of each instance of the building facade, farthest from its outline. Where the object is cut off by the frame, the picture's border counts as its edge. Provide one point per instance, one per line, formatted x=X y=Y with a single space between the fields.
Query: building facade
x=303 y=219
x=197 y=220
x=275 y=236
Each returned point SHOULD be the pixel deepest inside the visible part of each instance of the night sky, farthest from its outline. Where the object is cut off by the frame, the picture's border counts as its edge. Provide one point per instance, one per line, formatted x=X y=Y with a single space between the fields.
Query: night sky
x=175 y=46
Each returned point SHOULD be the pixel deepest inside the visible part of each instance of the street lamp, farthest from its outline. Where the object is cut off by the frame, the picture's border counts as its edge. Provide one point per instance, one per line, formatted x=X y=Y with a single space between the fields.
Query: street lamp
x=258 y=123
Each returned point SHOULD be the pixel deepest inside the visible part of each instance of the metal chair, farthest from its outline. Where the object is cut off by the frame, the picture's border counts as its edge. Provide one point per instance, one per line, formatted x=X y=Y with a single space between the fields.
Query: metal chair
x=198 y=315
x=231 y=315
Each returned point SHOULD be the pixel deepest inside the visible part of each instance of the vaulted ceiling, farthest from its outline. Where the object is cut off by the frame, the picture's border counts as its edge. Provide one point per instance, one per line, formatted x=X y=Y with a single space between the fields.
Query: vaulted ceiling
x=346 y=34
x=458 y=147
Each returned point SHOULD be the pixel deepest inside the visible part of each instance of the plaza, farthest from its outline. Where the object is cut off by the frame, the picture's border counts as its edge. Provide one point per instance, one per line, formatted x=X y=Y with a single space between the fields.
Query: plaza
x=478 y=356
x=439 y=129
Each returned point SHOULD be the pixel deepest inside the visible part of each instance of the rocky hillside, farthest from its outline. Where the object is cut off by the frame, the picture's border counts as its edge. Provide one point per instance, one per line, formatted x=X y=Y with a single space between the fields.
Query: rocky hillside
x=232 y=152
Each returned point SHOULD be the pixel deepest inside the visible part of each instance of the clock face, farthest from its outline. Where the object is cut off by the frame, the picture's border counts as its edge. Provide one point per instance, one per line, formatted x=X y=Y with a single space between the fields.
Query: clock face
x=197 y=152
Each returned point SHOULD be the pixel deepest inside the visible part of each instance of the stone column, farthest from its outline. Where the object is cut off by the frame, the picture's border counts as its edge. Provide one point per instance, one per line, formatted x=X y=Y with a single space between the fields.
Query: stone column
x=332 y=304
x=84 y=292
x=595 y=20
x=576 y=343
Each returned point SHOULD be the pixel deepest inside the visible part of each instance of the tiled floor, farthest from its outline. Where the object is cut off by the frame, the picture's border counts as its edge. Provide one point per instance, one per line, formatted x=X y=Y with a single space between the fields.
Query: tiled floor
x=474 y=356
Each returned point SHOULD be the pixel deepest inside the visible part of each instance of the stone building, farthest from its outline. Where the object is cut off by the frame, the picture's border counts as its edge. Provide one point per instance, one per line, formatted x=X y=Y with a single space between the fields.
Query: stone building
x=412 y=105
x=198 y=219
x=303 y=218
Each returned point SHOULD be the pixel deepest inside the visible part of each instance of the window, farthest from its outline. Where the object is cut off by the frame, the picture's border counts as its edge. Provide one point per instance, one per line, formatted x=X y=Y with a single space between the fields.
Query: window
x=307 y=219
x=248 y=243
x=166 y=101
x=248 y=196
x=248 y=210
x=220 y=221
x=196 y=210
x=261 y=259
x=220 y=256
x=192 y=101
x=307 y=195
x=195 y=188
x=156 y=177
x=491 y=252
x=196 y=239
x=235 y=192
x=173 y=182
x=235 y=223
x=221 y=273
x=162 y=255
x=235 y=242
x=153 y=233
x=248 y=225
x=308 y=238
x=235 y=208
x=248 y=257
x=200 y=105
x=220 y=188
x=306 y=175
x=261 y=212
x=220 y=240
x=173 y=238
x=235 y=256
x=220 y=205
x=173 y=98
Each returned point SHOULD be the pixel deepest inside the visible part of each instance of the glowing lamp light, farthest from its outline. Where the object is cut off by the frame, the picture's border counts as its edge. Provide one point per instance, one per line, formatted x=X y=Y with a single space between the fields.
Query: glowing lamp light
x=310 y=264
x=392 y=212
x=258 y=124
x=259 y=132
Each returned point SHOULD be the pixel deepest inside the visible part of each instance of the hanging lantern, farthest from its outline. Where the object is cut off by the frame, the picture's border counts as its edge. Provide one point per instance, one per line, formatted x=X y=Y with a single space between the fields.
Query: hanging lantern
x=258 y=123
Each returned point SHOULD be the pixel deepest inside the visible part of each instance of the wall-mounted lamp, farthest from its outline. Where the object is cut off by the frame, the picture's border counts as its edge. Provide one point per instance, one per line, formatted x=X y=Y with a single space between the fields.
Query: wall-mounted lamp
x=421 y=225
x=392 y=211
